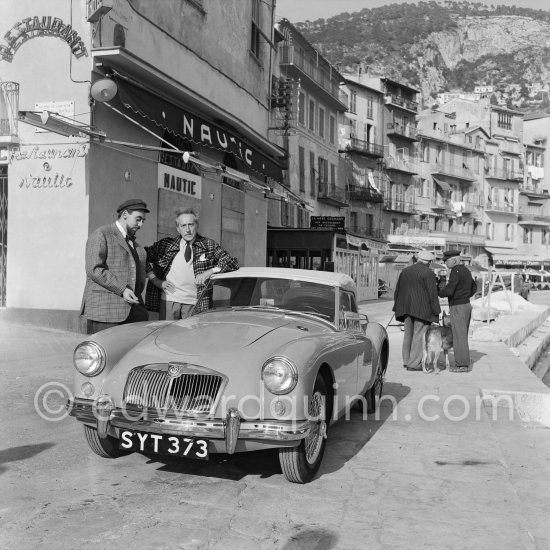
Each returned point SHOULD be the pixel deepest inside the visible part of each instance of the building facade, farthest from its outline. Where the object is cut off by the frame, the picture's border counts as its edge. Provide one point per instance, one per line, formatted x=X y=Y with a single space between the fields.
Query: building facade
x=113 y=121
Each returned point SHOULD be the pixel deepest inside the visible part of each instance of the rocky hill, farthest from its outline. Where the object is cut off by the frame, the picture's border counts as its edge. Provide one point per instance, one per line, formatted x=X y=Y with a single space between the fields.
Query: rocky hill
x=440 y=47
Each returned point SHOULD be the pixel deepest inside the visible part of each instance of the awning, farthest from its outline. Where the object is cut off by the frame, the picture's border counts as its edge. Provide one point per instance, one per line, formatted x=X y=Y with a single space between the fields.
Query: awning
x=508 y=257
x=196 y=129
x=443 y=184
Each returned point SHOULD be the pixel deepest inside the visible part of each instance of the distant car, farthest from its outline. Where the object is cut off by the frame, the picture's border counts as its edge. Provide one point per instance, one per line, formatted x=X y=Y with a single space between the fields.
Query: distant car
x=276 y=357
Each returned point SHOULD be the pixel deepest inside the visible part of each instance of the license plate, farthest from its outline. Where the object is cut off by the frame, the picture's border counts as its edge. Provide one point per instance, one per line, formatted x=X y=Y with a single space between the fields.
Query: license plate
x=172 y=445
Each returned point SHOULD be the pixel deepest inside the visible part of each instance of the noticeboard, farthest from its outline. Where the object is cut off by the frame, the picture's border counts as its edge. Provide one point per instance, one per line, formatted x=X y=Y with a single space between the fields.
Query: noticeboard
x=327 y=222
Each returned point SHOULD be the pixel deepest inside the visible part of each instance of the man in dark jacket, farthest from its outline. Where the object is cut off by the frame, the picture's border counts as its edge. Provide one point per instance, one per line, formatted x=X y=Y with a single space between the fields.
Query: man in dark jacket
x=458 y=290
x=416 y=305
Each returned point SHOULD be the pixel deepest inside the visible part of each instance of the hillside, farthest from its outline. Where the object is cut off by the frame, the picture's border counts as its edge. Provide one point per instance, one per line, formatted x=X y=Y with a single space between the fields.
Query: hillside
x=439 y=47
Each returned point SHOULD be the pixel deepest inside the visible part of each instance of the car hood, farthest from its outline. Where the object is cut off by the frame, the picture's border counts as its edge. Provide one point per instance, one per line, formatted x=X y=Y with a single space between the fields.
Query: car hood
x=219 y=332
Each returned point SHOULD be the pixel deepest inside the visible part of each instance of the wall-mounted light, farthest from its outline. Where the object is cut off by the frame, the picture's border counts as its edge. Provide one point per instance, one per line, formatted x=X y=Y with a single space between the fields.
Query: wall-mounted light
x=127 y=175
x=103 y=90
x=211 y=196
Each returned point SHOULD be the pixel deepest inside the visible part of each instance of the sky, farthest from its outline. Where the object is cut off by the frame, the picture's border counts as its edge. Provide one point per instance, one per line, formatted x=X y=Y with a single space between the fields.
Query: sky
x=302 y=10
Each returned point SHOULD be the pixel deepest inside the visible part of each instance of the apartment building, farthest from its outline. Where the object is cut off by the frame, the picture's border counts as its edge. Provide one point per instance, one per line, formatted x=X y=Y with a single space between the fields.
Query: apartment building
x=534 y=192
x=315 y=177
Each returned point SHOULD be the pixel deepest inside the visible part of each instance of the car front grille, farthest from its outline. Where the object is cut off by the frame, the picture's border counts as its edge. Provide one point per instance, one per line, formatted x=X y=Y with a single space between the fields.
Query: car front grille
x=191 y=392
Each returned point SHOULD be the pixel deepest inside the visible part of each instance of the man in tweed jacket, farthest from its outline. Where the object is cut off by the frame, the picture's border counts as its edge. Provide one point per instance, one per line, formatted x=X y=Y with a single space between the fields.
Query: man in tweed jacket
x=179 y=267
x=115 y=271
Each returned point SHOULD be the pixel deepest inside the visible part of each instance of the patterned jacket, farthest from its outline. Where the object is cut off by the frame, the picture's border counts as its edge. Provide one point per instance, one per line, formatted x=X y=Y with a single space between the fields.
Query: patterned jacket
x=110 y=268
x=206 y=255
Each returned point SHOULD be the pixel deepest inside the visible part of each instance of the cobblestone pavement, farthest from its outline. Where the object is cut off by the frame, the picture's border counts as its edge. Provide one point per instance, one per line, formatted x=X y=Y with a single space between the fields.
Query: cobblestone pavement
x=416 y=476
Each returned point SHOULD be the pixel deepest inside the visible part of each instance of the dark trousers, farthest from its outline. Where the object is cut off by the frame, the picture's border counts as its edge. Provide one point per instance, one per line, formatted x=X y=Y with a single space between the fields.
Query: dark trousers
x=413 y=341
x=137 y=313
x=460 y=324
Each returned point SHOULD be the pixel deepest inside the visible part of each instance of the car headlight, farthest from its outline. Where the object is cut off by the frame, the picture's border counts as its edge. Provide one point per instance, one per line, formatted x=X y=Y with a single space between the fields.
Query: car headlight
x=280 y=375
x=89 y=358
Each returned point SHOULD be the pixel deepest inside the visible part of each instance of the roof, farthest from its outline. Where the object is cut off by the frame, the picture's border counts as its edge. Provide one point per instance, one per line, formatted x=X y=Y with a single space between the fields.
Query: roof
x=320 y=277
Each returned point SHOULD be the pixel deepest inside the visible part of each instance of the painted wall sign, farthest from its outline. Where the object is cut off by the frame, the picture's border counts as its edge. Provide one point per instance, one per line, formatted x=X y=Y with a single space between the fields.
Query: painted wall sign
x=31 y=27
x=54 y=181
x=50 y=153
x=179 y=181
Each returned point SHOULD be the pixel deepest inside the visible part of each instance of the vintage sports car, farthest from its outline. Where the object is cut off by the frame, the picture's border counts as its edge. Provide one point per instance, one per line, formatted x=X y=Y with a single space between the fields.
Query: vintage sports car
x=276 y=357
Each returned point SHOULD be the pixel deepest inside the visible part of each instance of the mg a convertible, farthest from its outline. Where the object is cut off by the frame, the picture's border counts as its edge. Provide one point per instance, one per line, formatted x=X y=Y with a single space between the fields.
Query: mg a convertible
x=274 y=358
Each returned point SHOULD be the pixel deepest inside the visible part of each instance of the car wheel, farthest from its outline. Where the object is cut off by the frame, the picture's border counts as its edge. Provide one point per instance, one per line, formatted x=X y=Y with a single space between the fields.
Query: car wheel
x=106 y=447
x=300 y=464
x=375 y=391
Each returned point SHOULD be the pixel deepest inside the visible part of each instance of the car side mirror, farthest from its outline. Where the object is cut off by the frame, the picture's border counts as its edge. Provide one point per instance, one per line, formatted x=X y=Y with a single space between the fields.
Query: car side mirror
x=363 y=319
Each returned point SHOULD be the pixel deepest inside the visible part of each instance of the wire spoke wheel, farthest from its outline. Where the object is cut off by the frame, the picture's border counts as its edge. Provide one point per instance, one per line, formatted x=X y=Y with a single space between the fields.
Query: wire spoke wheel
x=318 y=427
x=301 y=463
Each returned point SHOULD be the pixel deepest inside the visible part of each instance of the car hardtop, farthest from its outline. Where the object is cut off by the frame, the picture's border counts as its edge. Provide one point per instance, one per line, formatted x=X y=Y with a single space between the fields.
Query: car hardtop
x=339 y=280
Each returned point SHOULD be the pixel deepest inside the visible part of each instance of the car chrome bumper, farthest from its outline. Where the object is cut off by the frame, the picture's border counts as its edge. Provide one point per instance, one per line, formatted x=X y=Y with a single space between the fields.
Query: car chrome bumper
x=229 y=429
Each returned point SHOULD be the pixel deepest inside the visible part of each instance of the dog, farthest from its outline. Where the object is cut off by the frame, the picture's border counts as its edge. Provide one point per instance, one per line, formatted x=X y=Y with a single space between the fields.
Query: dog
x=438 y=338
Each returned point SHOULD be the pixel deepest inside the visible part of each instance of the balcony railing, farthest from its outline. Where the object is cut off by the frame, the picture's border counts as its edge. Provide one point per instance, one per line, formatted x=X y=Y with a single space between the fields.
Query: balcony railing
x=439 y=203
x=491 y=206
x=9 y=106
x=503 y=174
x=394 y=128
x=401 y=102
x=308 y=66
x=461 y=172
x=529 y=217
x=331 y=194
x=399 y=205
x=403 y=164
x=536 y=189
x=365 y=148
x=367 y=194
x=368 y=232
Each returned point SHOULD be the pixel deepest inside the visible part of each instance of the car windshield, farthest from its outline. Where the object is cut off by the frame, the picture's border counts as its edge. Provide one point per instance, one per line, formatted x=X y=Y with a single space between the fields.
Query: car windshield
x=265 y=292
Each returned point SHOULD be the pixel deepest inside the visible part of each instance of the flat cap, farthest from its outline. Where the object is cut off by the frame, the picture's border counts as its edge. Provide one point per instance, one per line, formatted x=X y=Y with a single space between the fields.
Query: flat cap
x=131 y=205
x=425 y=256
x=450 y=253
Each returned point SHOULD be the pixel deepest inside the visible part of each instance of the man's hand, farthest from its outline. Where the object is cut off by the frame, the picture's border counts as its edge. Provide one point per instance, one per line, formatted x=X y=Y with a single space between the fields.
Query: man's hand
x=167 y=286
x=129 y=296
x=201 y=278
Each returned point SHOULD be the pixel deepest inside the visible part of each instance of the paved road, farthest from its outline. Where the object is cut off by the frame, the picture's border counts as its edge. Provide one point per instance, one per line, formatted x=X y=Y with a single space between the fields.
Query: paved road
x=396 y=482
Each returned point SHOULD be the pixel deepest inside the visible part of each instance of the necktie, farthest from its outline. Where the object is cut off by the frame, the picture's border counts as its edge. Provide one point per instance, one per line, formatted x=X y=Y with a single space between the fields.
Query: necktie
x=187 y=252
x=139 y=283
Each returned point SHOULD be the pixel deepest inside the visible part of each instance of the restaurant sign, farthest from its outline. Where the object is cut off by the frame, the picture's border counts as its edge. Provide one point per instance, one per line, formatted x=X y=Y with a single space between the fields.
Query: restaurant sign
x=179 y=181
x=32 y=27
x=327 y=222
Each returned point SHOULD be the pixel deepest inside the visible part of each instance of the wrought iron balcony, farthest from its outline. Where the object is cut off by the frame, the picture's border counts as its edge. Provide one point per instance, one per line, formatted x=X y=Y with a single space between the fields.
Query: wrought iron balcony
x=533 y=189
x=364 y=193
x=399 y=205
x=537 y=219
x=365 y=148
x=402 y=102
x=409 y=131
x=9 y=106
x=406 y=164
x=309 y=67
x=368 y=232
x=493 y=206
x=332 y=195
x=503 y=174
x=460 y=172
x=439 y=203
